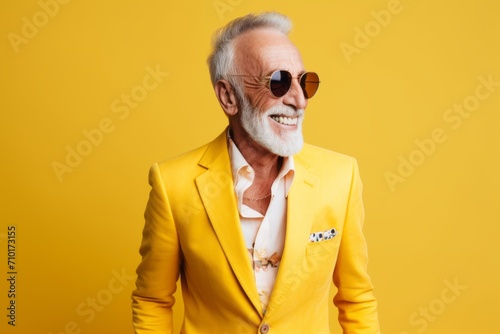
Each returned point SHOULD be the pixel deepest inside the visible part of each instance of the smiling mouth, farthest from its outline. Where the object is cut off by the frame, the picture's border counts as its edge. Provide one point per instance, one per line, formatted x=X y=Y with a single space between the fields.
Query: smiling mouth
x=285 y=120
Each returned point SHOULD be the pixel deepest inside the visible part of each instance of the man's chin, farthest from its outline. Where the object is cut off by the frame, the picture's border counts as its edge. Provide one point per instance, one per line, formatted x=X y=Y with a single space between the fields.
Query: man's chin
x=284 y=149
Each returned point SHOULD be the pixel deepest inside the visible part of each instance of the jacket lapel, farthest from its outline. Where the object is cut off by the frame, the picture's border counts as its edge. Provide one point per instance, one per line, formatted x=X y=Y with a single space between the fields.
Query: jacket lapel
x=300 y=209
x=217 y=193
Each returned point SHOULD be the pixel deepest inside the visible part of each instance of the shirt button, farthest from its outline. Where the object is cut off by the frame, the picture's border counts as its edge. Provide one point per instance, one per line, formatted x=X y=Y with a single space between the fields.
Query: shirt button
x=264 y=329
x=249 y=170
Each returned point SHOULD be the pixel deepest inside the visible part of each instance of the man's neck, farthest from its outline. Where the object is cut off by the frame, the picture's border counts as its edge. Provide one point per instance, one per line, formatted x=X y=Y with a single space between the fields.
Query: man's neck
x=265 y=164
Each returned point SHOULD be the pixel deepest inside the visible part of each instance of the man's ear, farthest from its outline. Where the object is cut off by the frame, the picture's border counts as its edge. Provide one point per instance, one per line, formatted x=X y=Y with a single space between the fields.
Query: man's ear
x=227 y=97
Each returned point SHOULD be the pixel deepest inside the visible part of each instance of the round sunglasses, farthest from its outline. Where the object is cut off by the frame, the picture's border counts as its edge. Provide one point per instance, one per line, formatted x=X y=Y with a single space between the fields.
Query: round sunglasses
x=279 y=82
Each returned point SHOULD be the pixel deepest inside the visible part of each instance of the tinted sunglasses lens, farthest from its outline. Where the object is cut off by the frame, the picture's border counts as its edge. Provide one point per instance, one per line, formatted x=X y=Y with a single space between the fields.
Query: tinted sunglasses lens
x=280 y=83
x=309 y=82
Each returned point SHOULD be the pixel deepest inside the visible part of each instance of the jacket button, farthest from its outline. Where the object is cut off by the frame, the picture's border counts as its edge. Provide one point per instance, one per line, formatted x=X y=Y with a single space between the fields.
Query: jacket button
x=264 y=329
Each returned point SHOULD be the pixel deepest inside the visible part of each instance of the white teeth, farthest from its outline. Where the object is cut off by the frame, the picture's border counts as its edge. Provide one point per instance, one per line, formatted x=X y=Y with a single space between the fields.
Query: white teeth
x=285 y=120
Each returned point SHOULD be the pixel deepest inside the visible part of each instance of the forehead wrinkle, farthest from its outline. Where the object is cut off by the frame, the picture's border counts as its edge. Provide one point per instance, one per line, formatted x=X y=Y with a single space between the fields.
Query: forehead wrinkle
x=282 y=58
x=263 y=50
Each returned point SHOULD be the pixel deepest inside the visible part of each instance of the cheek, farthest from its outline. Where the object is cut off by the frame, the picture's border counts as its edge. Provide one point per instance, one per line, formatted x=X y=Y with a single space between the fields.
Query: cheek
x=262 y=99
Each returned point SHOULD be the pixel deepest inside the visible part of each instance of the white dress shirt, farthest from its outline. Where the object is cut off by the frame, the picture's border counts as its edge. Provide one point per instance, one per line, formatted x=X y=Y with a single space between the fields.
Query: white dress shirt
x=264 y=234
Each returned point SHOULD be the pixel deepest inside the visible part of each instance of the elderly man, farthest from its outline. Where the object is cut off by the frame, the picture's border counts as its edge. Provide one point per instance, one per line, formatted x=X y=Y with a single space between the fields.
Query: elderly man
x=256 y=224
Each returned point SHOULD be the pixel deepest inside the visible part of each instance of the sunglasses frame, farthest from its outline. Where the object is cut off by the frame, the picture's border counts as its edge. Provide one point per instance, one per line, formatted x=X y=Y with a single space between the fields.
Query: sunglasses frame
x=267 y=81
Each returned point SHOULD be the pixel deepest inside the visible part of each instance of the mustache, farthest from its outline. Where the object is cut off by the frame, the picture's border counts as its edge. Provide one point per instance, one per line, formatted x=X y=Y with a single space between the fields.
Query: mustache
x=286 y=111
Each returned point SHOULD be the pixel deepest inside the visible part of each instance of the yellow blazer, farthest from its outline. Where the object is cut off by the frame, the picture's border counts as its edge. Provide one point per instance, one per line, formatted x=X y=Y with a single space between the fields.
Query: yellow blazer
x=192 y=230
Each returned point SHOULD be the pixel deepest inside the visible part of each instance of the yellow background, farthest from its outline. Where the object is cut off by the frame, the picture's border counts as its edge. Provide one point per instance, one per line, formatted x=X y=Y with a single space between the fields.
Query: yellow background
x=437 y=225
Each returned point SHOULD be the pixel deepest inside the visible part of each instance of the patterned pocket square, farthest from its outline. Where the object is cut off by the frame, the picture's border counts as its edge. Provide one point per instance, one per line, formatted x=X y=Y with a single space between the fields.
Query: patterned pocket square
x=323 y=235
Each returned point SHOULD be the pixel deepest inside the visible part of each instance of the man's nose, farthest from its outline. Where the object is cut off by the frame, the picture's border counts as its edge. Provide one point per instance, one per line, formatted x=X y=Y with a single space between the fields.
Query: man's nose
x=295 y=96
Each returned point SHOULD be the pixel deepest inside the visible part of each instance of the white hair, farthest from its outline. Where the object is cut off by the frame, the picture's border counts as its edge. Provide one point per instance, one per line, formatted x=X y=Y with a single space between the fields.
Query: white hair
x=221 y=60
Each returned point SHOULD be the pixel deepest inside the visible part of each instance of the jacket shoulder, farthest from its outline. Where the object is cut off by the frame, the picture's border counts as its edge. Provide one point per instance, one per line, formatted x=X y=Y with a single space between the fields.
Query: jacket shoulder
x=196 y=161
x=189 y=157
x=319 y=156
x=180 y=169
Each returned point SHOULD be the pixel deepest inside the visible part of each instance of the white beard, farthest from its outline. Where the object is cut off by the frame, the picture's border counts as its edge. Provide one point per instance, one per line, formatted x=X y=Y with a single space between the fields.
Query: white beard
x=256 y=124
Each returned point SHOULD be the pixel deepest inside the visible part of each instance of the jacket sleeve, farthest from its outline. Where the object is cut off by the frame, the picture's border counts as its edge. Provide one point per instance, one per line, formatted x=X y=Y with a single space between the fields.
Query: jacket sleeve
x=355 y=301
x=157 y=273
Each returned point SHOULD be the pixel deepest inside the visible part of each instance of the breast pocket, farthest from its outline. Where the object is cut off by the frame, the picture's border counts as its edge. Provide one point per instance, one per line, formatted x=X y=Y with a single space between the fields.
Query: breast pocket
x=328 y=245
